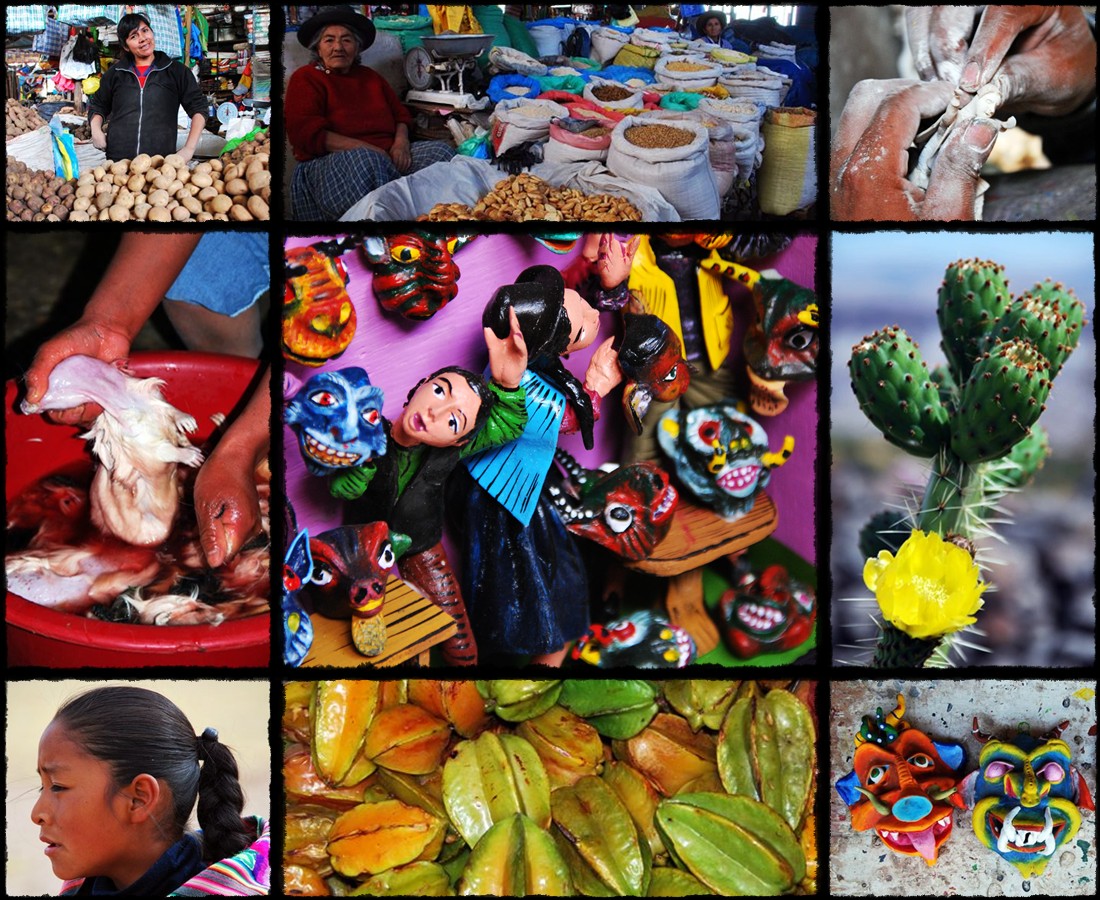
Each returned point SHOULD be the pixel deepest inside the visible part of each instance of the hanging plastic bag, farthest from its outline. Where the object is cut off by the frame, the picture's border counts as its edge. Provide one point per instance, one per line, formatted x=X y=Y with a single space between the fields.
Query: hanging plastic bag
x=73 y=68
x=65 y=163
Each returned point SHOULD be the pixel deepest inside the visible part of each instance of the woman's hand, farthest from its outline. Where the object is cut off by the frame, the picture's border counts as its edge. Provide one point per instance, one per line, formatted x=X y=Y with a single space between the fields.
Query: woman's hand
x=603 y=372
x=869 y=172
x=401 y=152
x=614 y=259
x=87 y=337
x=507 y=355
x=227 y=507
x=186 y=153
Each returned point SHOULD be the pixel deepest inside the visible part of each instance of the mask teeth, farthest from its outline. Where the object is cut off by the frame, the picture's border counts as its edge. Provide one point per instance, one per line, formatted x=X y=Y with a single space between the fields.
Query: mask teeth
x=572 y=468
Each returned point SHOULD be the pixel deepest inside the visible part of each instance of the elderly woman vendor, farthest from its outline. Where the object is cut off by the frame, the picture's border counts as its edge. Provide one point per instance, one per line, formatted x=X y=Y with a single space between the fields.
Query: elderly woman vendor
x=349 y=130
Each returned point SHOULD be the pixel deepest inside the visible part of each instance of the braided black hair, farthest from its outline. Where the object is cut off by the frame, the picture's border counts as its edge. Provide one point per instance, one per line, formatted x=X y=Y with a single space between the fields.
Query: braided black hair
x=138 y=731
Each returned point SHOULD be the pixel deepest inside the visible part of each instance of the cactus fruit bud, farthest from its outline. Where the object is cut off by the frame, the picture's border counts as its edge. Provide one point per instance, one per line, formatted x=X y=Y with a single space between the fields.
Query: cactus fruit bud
x=1050 y=316
x=1001 y=400
x=891 y=382
x=973 y=296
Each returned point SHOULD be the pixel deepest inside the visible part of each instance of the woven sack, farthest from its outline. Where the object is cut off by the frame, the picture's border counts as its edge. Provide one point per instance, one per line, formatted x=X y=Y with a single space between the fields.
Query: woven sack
x=788 y=172
x=606 y=42
x=637 y=57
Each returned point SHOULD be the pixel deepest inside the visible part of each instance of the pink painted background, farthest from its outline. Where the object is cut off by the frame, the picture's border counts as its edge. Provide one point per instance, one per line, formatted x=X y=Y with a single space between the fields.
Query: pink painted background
x=397 y=353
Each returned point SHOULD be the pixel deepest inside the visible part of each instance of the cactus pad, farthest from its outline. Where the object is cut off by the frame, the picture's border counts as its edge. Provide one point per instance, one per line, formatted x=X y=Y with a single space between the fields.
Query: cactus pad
x=891 y=382
x=1051 y=317
x=972 y=298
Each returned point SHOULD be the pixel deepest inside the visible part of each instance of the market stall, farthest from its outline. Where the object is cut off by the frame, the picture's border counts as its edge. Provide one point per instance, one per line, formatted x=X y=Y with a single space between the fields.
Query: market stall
x=581 y=107
x=399 y=308
x=63 y=100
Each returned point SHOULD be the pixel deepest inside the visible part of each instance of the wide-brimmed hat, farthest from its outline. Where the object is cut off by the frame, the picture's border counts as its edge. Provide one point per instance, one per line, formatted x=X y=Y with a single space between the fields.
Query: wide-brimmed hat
x=337 y=15
x=702 y=19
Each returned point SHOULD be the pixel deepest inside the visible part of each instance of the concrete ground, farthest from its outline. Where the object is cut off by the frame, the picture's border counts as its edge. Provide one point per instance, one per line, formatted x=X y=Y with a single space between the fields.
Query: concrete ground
x=860 y=864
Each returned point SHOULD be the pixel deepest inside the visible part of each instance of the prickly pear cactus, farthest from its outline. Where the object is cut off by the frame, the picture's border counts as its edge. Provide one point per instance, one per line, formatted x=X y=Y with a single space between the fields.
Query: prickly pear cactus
x=973 y=296
x=1048 y=316
x=891 y=381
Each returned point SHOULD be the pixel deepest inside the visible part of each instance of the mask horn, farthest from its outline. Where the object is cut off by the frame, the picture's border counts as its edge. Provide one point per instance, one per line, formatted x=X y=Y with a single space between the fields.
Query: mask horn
x=978 y=733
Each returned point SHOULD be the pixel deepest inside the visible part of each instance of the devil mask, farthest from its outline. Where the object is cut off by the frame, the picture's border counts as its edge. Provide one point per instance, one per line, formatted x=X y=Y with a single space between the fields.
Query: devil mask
x=414 y=273
x=721 y=456
x=297 y=627
x=781 y=344
x=337 y=416
x=642 y=639
x=628 y=511
x=318 y=317
x=1026 y=797
x=767 y=613
x=350 y=568
x=904 y=785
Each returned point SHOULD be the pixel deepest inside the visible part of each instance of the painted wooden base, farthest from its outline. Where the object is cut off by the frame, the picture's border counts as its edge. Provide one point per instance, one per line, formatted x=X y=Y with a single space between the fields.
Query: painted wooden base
x=413 y=626
x=699 y=536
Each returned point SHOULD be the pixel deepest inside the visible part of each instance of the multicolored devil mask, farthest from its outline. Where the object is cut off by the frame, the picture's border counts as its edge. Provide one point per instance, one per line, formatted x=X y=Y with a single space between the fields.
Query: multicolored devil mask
x=767 y=613
x=350 y=568
x=652 y=362
x=297 y=627
x=337 y=416
x=721 y=455
x=414 y=273
x=628 y=510
x=642 y=639
x=904 y=785
x=781 y=344
x=1026 y=797
x=318 y=316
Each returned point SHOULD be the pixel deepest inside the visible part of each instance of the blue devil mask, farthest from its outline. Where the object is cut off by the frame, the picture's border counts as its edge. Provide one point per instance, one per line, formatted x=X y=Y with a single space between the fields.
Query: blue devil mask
x=337 y=416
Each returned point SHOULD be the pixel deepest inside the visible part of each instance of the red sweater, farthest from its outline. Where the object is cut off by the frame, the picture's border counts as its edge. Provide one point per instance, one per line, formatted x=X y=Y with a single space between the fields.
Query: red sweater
x=357 y=104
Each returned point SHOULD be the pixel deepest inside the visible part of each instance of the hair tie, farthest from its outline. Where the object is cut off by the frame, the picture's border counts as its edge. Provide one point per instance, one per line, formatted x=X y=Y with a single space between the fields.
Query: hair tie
x=210 y=734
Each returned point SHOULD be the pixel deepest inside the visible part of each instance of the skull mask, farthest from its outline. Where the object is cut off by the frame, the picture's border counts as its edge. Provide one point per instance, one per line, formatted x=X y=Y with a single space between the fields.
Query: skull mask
x=904 y=785
x=768 y=613
x=414 y=273
x=1025 y=797
x=781 y=344
x=721 y=456
x=337 y=417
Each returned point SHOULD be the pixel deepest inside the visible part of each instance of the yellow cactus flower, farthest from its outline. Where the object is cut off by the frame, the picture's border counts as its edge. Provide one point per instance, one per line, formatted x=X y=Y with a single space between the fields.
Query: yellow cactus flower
x=930 y=589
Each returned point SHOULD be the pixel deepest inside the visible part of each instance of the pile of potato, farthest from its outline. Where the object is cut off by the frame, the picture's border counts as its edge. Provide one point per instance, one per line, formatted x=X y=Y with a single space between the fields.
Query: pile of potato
x=37 y=196
x=20 y=119
x=163 y=189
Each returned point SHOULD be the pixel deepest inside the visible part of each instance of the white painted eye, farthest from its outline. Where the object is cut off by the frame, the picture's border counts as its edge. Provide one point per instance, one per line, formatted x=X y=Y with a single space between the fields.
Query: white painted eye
x=321 y=575
x=619 y=517
x=876 y=773
x=386 y=558
x=920 y=761
x=998 y=769
x=1053 y=772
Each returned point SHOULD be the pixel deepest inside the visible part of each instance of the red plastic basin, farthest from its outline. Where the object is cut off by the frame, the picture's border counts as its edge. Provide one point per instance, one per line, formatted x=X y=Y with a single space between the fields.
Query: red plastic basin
x=200 y=384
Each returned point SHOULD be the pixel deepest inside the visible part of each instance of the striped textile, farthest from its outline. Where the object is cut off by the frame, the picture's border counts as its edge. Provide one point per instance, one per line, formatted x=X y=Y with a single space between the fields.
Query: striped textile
x=323 y=189
x=246 y=874
x=513 y=474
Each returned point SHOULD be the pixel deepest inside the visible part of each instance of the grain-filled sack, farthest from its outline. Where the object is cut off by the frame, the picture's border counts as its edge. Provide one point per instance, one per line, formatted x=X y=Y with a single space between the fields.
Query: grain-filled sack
x=606 y=43
x=686 y=73
x=788 y=176
x=568 y=146
x=637 y=57
x=674 y=159
x=612 y=94
x=723 y=146
x=522 y=121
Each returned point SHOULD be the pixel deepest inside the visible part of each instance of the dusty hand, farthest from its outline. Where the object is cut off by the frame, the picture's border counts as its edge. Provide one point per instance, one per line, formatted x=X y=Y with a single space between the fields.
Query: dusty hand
x=507 y=355
x=870 y=161
x=227 y=507
x=939 y=38
x=401 y=154
x=603 y=371
x=614 y=259
x=1042 y=59
x=87 y=338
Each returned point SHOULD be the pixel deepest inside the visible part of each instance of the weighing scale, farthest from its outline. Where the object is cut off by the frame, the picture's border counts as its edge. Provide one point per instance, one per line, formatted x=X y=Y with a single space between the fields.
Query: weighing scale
x=443 y=59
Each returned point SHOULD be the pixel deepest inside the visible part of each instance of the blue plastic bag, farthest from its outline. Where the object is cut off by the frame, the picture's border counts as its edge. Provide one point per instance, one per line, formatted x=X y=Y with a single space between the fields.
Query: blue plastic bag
x=65 y=164
x=498 y=87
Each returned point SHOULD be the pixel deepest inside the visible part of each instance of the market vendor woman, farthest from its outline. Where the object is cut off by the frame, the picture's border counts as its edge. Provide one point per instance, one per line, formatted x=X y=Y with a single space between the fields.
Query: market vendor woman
x=140 y=96
x=349 y=130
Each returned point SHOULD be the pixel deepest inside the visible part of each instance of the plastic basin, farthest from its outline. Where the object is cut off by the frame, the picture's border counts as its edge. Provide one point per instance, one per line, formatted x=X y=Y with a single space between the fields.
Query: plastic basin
x=197 y=383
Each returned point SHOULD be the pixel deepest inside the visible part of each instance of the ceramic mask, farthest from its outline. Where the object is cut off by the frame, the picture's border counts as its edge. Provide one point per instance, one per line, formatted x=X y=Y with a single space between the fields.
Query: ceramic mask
x=642 y=639
x=414 y=273
x=1026 y=797
x=653 y=365
x=351 y=566
x=768 y=613
x=904 y=785
x=318 y=316
x=297 y=627
x=721 y=456
x=628 y=510
x=337 y=416
x=781 y=344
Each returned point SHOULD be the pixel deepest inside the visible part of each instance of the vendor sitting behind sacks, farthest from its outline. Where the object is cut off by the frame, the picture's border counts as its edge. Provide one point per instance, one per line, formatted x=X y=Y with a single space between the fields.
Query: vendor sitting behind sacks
x=140 y=96
x=349 y=130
